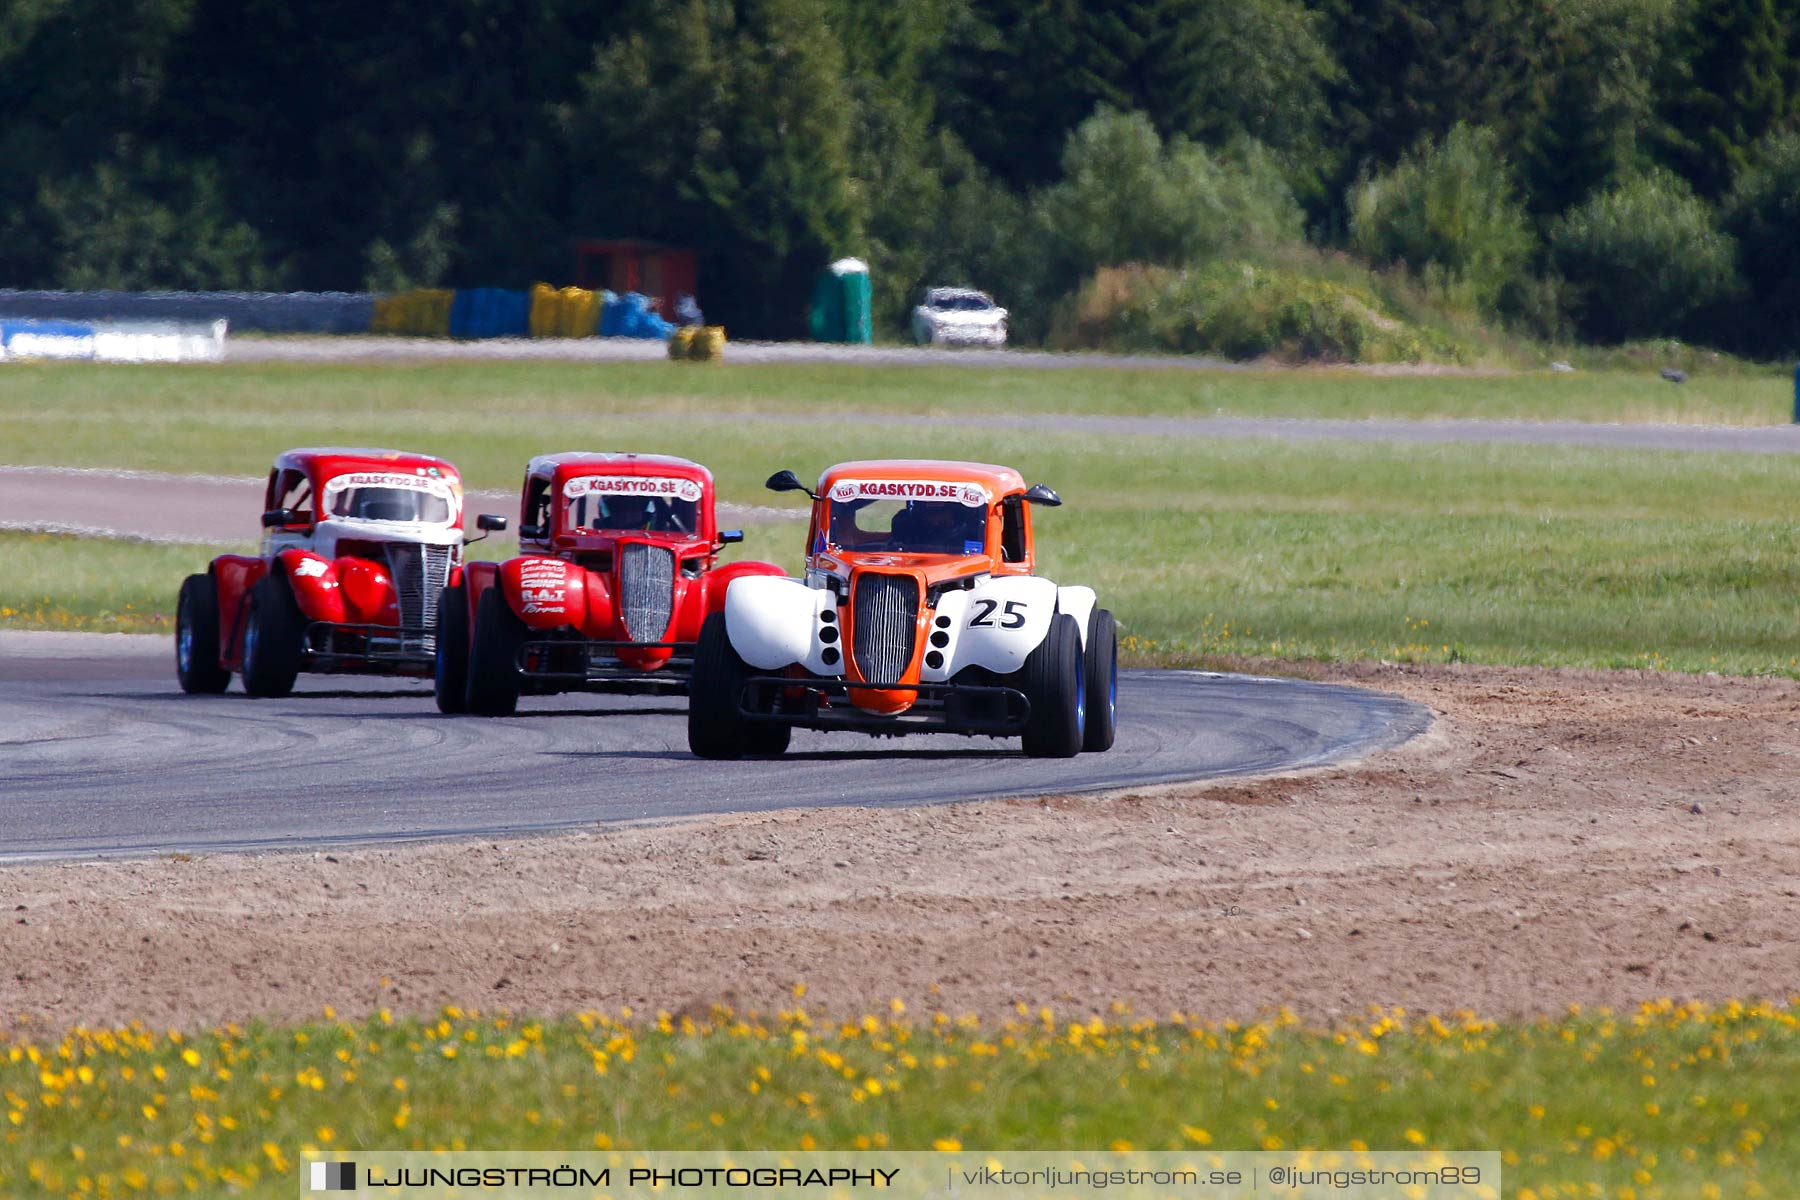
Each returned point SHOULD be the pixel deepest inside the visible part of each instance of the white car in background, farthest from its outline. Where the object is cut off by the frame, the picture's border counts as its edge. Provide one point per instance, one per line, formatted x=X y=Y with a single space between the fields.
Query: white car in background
x=951 y=316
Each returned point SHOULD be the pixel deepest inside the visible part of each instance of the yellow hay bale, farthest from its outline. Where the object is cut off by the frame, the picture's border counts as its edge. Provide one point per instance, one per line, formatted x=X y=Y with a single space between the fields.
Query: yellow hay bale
x=708 y=344
x=422 y=312
x=567 y=312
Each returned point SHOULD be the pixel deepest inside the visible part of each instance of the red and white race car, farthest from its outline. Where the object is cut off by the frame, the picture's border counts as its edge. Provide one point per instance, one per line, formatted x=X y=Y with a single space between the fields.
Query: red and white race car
x=618 y=570
x=357 y=546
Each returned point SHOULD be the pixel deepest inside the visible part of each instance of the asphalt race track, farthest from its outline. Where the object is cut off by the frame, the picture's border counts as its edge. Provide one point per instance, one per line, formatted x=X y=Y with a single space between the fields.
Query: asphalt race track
x=101 y=754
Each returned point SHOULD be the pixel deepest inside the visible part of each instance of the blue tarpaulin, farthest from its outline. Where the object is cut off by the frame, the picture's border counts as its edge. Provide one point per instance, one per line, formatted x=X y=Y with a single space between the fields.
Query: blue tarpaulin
x=490 y=313
x=53 y=329
x=630 y=315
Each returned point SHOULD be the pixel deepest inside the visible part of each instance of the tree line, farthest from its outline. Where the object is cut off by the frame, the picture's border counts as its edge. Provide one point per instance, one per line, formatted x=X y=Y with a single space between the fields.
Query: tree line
x=1608 y=169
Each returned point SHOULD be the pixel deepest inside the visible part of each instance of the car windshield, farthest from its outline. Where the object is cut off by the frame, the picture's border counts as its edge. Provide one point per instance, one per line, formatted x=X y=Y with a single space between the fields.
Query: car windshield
x=908 y=526
x=596 y=511
x=962 y=302
x=376 y=503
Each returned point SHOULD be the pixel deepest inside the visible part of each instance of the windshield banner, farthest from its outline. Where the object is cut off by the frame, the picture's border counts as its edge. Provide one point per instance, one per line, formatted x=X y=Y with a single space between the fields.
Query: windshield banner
x=971 y=494
x=371 y=479
x=633 y=485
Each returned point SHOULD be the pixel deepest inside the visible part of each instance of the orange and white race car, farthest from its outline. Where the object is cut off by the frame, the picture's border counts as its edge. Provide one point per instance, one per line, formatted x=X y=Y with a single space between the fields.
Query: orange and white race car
x=919 y=613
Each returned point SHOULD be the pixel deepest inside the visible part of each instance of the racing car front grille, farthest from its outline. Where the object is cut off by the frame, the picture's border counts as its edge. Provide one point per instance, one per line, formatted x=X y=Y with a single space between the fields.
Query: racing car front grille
x=886 y=609
x=646 y=590
x=419 y=573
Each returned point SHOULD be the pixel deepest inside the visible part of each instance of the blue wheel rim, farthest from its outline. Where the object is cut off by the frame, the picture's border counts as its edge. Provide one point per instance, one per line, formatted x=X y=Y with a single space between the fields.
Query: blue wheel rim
x=184 y=643
x=1112 y=689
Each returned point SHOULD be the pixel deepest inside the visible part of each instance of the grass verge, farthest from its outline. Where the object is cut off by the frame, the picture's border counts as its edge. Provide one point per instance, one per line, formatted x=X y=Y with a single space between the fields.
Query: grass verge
x=1667 y=1101
x=230 y=419
x=1498 y=554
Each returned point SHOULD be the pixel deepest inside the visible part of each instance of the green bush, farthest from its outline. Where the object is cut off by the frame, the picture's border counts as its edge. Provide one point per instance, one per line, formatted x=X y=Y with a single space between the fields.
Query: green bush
x=1241 y=311
x=1450 y=213
x=1641 y=257
x=1126 y=197
x=141 y=222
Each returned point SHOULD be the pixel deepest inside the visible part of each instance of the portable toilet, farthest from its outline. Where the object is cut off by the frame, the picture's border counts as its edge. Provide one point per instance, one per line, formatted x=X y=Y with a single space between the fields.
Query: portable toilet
x=842 y=303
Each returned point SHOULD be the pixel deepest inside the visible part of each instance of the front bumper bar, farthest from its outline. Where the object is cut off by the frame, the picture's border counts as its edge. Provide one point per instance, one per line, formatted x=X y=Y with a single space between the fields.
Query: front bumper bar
x=814 y=703
x=369 y=649
x=573 y=664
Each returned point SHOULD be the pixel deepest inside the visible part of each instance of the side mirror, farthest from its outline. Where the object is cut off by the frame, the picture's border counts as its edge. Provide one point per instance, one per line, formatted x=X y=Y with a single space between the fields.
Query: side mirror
x=534 y=532
x=1037 y=493
x=729 y=536
x=277 y=516
x=490 y=523
x=784 y=481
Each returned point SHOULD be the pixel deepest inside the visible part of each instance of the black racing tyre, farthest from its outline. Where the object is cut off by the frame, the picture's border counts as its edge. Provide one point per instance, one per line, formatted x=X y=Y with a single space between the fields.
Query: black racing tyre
x=197 y=638
x=493 y=686
x=273 y=630
x=1052 y=680
x=769 y=739
x=1100 y=680
x=715 y=727
x=452 y=671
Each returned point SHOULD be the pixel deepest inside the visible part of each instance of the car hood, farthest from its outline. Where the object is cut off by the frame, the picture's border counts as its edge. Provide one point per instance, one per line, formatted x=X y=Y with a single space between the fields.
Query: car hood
x=985 y=317
x=928 y=568
x=400 y=532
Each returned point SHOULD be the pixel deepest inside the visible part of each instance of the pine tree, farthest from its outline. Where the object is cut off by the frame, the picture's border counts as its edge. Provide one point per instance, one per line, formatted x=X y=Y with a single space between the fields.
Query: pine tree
x=1603 y=60
x=1413 y=69
x=1740 y=81
x=726 y=127
x=1028 y=72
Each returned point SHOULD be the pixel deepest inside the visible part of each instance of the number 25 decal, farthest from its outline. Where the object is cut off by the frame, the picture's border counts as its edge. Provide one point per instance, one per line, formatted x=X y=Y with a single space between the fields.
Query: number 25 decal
x=1012 y=618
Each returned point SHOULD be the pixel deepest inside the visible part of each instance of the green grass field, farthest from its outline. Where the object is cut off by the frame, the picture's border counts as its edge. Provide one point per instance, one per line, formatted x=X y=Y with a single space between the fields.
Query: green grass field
x=1675 y=1102
x=231 y=419
x=1219 y=548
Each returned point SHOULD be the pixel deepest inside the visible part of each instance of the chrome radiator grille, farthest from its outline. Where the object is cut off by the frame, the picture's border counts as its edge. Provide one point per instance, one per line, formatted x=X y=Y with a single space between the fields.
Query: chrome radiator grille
x=887 y=608
x=419 y=573
x=646 y=590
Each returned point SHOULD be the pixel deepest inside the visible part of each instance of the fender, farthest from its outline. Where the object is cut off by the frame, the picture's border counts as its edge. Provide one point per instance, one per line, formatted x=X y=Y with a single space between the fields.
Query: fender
x=478 y=577
x=718 y=580
x=316 y=586
x=994 y=625
x=1078 y=602
x=705 y=595
x=234 y=575
x=546 y=593
x=369 y=595
x=776 y=622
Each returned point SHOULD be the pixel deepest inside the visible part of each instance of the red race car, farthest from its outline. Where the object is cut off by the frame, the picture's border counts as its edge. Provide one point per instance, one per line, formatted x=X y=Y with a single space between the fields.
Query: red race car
x=618 y=569
x=357 y=547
